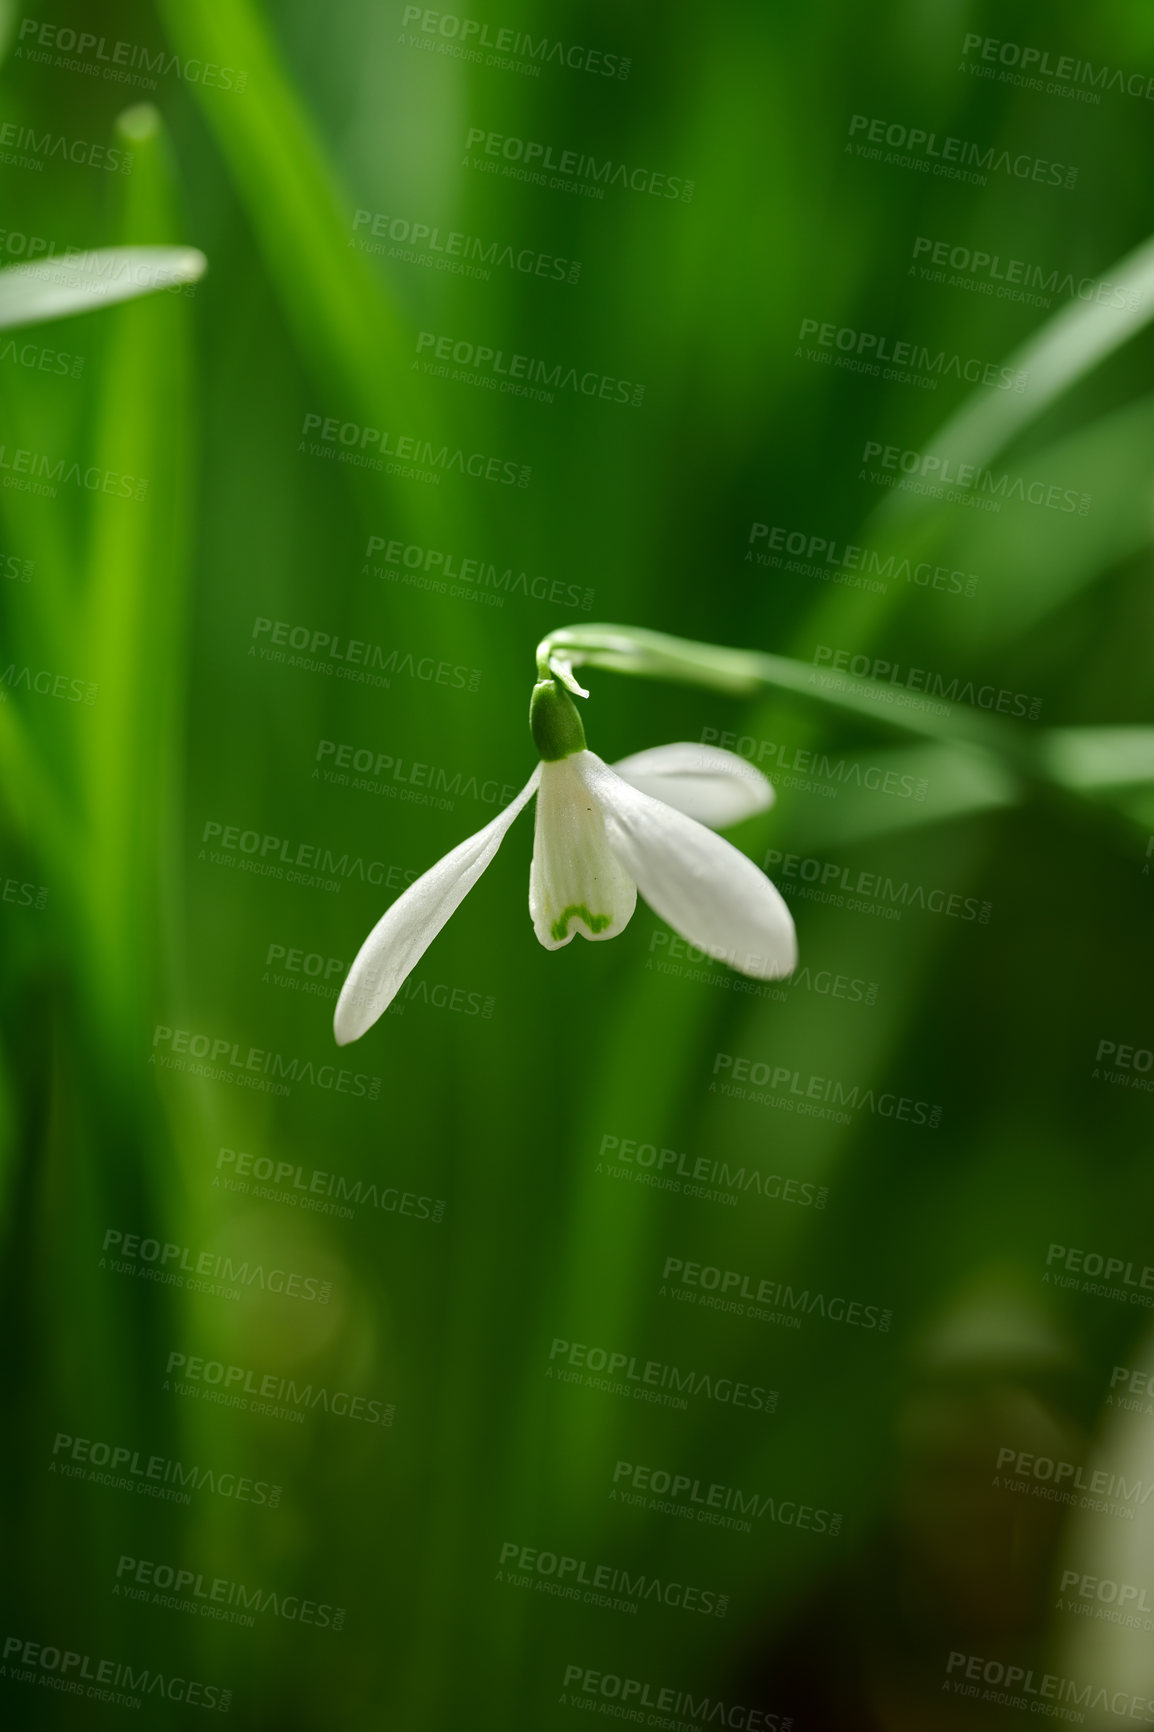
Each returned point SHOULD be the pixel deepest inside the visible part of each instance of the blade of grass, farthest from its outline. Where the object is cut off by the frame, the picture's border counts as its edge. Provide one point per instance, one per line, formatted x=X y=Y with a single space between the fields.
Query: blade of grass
x=344 y=320
x=137 y=563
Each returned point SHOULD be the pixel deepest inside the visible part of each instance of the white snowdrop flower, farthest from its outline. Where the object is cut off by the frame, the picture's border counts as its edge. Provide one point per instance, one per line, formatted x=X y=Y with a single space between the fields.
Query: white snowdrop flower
x=602 y=835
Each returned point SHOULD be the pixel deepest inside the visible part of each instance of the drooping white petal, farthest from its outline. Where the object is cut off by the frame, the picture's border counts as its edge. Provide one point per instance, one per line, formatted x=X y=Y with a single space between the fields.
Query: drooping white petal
x=53 y=288
x=403 y=934
x=576 y=883
x=707 y=890
x=713 y=786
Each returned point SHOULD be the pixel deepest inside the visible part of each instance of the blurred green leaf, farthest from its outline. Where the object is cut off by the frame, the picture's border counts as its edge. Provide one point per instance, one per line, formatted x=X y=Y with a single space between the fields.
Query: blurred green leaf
x=344 y=320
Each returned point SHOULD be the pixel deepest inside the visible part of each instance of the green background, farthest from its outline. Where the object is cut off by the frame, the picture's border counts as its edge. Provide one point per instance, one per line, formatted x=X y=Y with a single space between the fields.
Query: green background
x=502 y=1115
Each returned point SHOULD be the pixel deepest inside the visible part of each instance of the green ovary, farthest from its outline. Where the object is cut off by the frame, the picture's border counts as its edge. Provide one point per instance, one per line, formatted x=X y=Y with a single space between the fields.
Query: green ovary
x=578 y=911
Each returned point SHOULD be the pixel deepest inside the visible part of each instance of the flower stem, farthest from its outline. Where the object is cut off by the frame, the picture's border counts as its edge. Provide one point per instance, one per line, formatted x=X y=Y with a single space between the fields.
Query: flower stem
x=657 y=655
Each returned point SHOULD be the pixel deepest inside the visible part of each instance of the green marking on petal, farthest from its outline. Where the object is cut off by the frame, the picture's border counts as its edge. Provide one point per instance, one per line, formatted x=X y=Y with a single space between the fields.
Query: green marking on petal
x=578 y=911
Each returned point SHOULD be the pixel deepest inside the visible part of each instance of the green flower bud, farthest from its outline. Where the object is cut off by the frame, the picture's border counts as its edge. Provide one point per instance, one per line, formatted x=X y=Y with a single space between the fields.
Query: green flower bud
x=555 y=722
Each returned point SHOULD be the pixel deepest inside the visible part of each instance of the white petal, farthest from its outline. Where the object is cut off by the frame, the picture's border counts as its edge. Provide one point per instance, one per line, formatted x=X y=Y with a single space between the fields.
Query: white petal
x=715 y=787
x=707 y=890
x=576 y=883
x=53 y=288
x=403 y=934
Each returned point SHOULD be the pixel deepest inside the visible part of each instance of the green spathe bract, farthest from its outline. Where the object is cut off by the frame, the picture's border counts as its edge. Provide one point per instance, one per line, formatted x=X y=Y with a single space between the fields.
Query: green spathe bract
x=555 y=722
